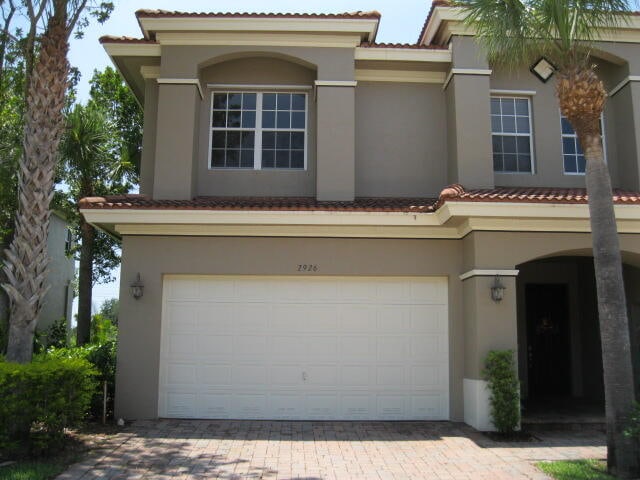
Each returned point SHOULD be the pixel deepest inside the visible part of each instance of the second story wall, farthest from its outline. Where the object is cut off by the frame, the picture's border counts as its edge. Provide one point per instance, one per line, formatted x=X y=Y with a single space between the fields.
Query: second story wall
x=257 y=73
x=401 y=139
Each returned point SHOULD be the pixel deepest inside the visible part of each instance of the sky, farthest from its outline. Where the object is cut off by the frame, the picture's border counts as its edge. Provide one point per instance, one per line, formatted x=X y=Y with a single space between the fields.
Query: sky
x=401 y=22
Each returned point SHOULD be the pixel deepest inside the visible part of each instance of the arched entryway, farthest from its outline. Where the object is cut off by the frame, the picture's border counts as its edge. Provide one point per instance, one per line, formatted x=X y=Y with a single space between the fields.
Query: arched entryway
x=560 y=356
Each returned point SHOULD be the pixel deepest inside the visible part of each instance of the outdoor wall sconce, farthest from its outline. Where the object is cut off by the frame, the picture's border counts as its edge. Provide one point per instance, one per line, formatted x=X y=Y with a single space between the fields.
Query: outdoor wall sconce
x=543 y=69
x=137 y=288
x=497 y=289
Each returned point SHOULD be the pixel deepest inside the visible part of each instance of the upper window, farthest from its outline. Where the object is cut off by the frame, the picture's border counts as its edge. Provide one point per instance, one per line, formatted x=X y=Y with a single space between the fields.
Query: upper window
x=258 y=130
x=511 y=135
x=572 y=155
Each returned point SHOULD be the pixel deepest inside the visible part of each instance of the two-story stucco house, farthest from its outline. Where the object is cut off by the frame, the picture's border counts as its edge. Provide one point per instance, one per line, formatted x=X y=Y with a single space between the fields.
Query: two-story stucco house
x=58 y=301
x=321 y=220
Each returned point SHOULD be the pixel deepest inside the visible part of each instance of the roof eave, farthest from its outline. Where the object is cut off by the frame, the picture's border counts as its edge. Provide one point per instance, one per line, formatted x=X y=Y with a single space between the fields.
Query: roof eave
x=366 y=28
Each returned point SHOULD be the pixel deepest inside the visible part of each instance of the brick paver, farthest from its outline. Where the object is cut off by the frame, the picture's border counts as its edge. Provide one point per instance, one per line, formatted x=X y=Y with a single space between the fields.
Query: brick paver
x=206 y=449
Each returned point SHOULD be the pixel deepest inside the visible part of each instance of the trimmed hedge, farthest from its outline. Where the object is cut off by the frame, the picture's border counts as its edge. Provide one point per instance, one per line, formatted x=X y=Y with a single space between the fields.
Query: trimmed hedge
x=103 y=359
x=504 y=387
x=41 y=399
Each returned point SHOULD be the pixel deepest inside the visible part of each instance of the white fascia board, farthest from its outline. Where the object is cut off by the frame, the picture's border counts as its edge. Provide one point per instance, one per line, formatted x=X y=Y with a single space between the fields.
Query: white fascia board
x=489 y=273
x=250 y=217
x=403 y=76
x=365 y=27
x=403 y=55
x=441 y=14
x=118 y=49
x=533 y=210
x=263 y=39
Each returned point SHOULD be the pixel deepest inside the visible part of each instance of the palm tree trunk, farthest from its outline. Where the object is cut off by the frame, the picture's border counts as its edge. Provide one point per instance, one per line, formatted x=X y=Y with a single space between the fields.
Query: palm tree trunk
x=622 y=452
x=85 y=282
x=27 y=259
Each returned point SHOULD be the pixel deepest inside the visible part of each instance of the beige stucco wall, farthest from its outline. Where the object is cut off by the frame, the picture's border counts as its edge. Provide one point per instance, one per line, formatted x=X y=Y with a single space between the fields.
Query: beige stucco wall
x=60 y=275
x=139 y=321
x=401 y=140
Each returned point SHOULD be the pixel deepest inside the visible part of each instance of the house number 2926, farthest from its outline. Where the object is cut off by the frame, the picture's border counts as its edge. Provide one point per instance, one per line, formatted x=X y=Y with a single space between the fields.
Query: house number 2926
x=306 y=267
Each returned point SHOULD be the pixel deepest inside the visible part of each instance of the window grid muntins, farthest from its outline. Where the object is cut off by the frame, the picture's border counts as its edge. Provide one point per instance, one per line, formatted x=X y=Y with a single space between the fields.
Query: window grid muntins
x=573 y=159
x=511 y=135
x=258 y=130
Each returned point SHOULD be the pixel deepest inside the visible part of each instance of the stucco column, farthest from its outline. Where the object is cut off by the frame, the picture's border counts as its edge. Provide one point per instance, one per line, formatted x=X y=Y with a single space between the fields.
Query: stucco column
x=335 y=177
x=176 y=140
x=147 y=163
x=488 y=325
x=626 y=106
x=467 y=94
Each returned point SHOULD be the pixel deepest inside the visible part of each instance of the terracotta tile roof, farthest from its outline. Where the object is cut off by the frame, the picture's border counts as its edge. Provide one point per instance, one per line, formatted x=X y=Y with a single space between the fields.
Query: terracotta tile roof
x=261 y=204
x=531 y=195
x=174 y=14
x=114 y=39
x=434 y=4
x=403 y=45
x=403 y=205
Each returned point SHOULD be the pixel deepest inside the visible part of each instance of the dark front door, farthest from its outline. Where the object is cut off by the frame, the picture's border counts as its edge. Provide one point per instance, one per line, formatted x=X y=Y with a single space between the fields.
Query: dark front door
x=548 y=345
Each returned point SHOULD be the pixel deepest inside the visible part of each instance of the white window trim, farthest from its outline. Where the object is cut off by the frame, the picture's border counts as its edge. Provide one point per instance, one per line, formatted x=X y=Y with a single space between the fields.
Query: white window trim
x=257 y=155
x=575 y=135
x=530 y=135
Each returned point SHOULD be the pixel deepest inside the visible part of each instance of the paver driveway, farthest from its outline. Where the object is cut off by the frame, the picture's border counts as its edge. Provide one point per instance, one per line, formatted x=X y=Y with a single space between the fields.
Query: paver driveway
x=199 y=449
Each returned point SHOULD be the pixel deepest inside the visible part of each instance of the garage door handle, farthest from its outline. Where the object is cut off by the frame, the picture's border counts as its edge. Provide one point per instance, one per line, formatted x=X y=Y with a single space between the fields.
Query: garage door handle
x=304 y=376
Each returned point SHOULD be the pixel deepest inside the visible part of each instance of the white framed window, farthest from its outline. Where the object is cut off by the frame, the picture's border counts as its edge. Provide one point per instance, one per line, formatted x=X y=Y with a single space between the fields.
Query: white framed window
x=573 y=159
x=511 y=134
x=258 y=130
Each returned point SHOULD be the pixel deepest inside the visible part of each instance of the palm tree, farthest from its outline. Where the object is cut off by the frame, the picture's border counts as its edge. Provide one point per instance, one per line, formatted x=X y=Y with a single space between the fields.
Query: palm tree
x=514 y=33
x=27 y=259
x=85 y=159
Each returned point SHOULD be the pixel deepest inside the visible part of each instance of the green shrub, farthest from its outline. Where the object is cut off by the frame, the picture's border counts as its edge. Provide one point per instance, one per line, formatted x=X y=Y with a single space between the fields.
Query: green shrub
x=103 y=359
x=41 y=399
x=102 y=329
x=57 y=334
x=504 y=390
x=633 y=429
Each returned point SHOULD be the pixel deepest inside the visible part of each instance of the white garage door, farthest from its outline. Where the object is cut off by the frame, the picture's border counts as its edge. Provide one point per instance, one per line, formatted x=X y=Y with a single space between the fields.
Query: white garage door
x=329 y=348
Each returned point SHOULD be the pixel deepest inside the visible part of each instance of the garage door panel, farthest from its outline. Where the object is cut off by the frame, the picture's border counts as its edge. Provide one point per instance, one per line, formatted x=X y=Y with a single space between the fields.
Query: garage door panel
x=321 y=407
x=215 y=318
x=387 y=348
x=219 y=375
x=356 y=318
x=321 y=347
x=392 y=407
x=356 y=375
x=250 y=405
x=214 y=405
x=393 y=319
x=356 y=347
x=390 y=376
x=285 y=375
x=286 y=406
x=304 y=348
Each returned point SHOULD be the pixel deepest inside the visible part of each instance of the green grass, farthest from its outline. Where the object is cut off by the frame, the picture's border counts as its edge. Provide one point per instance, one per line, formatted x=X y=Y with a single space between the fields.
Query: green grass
x=33 y=470
x=576 y=470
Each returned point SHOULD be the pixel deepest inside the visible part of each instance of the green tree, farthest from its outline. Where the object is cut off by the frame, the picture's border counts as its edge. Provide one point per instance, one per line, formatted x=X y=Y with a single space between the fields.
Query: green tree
x=514 y=33
x=101 y=152
x=46 y=81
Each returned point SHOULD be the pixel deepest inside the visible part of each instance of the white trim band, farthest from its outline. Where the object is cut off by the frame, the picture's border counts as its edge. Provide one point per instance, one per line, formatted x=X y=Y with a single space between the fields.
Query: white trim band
x=488 y=273
x=150 y=71
x=465 y=71
x=336 y=83
x=623 y=83
x=182 y=81
x=524 y=93
x=236 y=86
x=400 y=76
